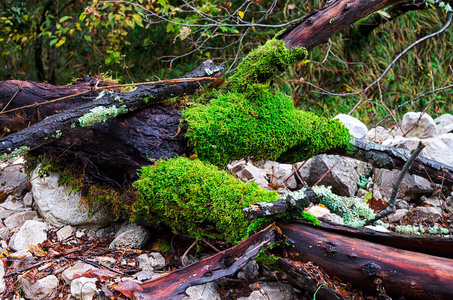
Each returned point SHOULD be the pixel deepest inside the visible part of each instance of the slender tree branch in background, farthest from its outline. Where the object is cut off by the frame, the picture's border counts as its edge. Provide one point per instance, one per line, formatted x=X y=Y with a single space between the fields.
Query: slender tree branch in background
x=447 y=24
x=413 y=100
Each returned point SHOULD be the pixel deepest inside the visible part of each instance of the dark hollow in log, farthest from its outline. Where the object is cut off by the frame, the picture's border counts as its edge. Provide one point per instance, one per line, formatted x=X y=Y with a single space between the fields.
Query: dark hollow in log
x=367 y=265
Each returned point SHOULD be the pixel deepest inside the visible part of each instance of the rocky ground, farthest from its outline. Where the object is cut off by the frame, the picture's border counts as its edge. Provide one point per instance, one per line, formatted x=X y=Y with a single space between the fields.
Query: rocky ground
x=51 y=248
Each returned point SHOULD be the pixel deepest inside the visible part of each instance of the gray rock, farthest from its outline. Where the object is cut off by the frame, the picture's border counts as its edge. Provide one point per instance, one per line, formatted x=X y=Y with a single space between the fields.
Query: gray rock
x=280 y=173
x=411 y=186
x=433 y=201
x=378 y=135
x=361 y=193
x=439 y=149
x=44 y=288
x=60 y=206
x=432 y=213
x=397 y=215
x=417 y=124
x=272 y=290
x=18 y=219
x=154 y=260
x=356 y=128
x=343 y=177
x=28 y=199
x=77 y=269
x=133 y=238
x=407 y=143
x=65 y=232
x=402 y=204
x=377 y=228
x=13 y=176
x=361 y=167
x=249 y=271
x=31 y=233
x=248 y=173
x=144 y=275
x=207 y=291
x=10 y=206
x=4 y=232
x=444 y=124
x=2 y=280
x=106 y=261
x=84 y=288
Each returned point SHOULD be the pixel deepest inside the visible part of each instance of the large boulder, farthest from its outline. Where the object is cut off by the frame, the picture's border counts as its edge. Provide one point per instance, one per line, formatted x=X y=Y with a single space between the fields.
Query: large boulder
x=343 y=177
x=356 y=128
x=60 y=205
x=418 y=124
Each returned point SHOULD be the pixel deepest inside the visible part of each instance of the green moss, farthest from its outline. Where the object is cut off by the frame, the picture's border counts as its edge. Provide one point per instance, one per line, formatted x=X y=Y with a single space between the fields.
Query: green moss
x=196 y=198
x=263 y=63
x=262 y=123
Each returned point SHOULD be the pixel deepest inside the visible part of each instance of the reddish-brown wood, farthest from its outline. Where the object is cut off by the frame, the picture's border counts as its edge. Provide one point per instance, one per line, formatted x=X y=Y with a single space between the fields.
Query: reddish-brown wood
x=318 y=26
x=367 y=265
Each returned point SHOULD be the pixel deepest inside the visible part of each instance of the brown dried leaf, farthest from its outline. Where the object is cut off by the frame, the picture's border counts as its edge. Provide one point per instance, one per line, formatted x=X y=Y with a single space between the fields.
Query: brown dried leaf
x=128 y=288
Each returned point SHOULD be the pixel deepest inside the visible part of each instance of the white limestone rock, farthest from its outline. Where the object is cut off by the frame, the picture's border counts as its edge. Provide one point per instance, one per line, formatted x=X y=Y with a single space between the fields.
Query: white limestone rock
x=398 y=215
x=417 y=124
x=280 y=173
x=31 y=233
x=18 y=219
x=13 y=176
x=84 y=288
x=247 y=172
x=77 y=269
x=2 y=280
x=444 y=124
x=378 y=135
x=202 y=292
x=64 y=232
x=356 y=128
x=135 y=237
x=272 y=290
x=60 y=206
x=44 y=288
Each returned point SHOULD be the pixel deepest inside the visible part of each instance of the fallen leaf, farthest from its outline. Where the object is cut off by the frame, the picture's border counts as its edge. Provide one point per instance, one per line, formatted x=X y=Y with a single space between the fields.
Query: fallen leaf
x=101 y=274
x=128 y=288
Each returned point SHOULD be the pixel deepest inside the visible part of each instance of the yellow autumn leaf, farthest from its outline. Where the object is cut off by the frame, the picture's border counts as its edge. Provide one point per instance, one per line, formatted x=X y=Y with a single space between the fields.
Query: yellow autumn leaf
x=241 y=14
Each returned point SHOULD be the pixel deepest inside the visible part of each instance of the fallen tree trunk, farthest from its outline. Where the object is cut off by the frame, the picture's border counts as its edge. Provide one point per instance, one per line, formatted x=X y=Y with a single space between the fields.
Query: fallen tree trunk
x=358 y=261
x=370 y=266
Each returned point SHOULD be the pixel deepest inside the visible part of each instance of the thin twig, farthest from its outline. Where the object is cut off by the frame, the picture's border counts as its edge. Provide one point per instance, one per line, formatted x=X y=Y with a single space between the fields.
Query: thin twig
x=187 y=251
x=328 y=171
x=101 y=265
x=391 y=203
x=27 y=268
x=179 y=80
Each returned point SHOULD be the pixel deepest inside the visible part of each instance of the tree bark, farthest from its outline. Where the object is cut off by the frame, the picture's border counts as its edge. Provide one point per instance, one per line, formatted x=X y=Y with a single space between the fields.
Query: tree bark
x=319 y=26
x=370 y=266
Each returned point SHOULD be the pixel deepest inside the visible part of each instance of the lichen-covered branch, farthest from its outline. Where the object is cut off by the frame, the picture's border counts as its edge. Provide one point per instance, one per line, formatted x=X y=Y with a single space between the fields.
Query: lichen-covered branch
x=107 y=105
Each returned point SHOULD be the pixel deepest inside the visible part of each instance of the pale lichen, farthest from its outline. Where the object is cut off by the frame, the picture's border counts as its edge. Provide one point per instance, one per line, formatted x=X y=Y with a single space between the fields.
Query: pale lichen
x=14 y=154
x=101 y=114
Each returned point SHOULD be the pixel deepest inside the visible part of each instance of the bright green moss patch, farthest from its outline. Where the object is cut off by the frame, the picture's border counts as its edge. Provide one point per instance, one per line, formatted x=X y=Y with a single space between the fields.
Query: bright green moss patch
x=196 y=198
x=263 y=63
x=259 y=122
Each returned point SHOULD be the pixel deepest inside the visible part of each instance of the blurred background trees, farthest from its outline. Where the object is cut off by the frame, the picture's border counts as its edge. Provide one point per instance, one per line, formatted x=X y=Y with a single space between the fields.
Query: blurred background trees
x=142 y=40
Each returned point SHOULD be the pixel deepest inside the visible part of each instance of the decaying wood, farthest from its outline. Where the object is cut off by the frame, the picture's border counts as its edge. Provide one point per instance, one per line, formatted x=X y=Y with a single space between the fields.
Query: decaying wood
x=225 y=263
x=370 y=266
x=386 y=157
x=143 y=96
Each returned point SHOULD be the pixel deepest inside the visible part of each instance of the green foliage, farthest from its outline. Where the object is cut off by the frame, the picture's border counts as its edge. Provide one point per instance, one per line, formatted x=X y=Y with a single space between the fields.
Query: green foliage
x=196 y=198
